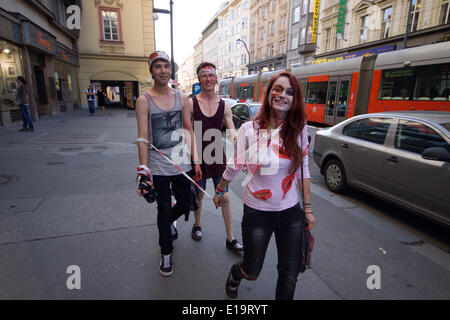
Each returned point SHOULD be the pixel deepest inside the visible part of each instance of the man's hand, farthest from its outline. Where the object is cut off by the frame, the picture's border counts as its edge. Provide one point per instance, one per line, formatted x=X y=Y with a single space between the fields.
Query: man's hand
x=144 y=174
x=198 y=172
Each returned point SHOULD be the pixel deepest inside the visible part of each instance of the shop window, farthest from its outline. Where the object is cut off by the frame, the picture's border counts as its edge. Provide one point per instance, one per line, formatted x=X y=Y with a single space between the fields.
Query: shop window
x=10 y=68
x=110 y=24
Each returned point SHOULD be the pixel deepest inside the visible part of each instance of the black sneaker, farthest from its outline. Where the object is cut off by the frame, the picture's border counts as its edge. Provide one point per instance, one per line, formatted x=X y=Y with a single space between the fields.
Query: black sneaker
x=234 y=246
x=29 y=130
x=166 y=265
x=231 y=287
x=23 y=129
x=196 y=233
x=173 y=231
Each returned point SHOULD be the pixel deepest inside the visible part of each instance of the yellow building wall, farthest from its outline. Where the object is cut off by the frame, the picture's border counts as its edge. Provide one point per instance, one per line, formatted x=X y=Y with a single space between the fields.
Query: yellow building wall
x=118 y=61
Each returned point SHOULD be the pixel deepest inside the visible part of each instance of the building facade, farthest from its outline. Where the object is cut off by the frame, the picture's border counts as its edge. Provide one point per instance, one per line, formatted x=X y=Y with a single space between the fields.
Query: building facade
x=210 y=42
x=233 y=39
x=269 y=24
x=186 y=75
x=379 y=26
x=38 y=40
x=116 y=39
x=302 y=32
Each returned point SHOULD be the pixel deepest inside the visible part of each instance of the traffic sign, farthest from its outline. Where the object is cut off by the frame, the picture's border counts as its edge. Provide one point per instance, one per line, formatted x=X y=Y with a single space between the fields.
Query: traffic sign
x=196 y=88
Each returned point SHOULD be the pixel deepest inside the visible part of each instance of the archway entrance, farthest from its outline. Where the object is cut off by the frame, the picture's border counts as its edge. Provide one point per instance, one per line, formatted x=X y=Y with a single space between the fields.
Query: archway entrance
x=122 y=94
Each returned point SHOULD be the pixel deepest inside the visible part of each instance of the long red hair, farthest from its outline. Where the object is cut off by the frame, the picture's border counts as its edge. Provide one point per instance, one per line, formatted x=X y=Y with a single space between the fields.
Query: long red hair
x=296 y=119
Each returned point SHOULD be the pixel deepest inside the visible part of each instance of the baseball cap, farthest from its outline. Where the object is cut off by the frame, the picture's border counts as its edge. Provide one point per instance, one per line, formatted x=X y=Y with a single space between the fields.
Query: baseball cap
x=157 y=55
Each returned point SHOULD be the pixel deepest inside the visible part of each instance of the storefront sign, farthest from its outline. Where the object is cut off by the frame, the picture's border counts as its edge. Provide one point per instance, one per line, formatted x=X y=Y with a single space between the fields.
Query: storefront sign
x=65 y=55
x=38 y=38
x=370 y=51
x=364 y=53
x=10 y=30
x=315 y=20
x=341 y=16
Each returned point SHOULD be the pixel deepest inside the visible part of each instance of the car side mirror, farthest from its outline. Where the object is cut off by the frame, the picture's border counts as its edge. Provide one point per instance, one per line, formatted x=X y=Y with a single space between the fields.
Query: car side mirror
x=436 y=153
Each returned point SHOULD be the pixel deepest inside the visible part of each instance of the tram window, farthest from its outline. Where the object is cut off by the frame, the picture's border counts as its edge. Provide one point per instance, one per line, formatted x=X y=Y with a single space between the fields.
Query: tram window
x=433 y=83
x=251 y=92
x=303 y=84
x=396 y=84
x=317 y=92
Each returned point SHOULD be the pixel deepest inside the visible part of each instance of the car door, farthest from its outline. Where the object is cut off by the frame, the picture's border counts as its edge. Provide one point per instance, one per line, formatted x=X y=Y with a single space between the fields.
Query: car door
x=362 y=149
x=419 y=183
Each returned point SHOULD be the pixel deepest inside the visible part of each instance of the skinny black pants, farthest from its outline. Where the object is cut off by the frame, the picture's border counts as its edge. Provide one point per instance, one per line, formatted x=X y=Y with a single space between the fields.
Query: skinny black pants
x=180 y=186
x=257 y=228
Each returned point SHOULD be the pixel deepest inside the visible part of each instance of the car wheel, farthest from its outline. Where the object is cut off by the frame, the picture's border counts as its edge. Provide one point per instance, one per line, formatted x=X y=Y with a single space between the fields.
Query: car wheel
x=335 y=176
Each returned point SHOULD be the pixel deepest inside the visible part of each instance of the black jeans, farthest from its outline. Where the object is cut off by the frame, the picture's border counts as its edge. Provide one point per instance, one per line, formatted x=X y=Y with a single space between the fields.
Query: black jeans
x=288 y=226
x=180 y=186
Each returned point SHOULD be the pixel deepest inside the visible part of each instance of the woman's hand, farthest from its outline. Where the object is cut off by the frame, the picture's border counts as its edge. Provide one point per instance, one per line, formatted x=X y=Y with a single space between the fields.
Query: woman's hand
x=309 y=221
x=217 y=201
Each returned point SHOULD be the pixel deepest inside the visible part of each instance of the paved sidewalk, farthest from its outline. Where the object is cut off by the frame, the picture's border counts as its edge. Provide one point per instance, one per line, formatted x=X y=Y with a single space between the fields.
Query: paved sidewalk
x=71 y=201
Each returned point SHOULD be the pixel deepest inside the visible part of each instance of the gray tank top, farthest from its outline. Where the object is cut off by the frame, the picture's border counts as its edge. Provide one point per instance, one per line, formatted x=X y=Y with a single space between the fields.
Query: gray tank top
x=166 y=133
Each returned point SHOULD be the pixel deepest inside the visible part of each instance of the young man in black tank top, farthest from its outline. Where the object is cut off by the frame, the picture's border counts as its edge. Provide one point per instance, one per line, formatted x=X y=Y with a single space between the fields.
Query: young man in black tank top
x=165 y=179
x=211 y=111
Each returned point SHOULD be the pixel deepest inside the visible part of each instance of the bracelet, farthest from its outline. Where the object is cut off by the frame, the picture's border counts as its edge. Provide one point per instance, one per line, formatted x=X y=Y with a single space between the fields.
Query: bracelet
x=306 y=203
x=219 y=192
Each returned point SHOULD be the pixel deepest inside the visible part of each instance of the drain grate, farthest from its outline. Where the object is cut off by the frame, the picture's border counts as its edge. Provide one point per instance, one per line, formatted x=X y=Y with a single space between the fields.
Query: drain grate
x=7 y=178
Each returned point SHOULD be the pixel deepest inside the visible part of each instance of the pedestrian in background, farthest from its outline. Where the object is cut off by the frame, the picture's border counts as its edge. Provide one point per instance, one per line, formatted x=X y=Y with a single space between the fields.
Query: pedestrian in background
x=101 y=100
x=159 y=113
x=271 y=203
x=23 y=101
x=90 y=96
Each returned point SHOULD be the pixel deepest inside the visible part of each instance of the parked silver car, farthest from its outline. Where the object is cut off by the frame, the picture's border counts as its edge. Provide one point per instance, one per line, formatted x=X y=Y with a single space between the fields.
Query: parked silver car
x=403 y=157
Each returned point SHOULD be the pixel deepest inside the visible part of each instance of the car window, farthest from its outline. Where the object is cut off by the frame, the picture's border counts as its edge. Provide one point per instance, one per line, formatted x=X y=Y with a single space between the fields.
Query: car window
x=415 y=137
x=369 y=129
x=241 y=110
x=446 y=125
x=254 y=110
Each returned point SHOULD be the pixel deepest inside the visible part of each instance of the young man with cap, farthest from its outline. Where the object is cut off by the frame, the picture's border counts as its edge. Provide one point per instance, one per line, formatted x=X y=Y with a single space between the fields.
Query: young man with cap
x=210 y=111
x=160 y=121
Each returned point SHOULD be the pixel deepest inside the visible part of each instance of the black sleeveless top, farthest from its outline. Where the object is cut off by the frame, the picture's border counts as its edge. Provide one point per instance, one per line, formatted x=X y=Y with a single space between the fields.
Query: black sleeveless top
x=214 y=122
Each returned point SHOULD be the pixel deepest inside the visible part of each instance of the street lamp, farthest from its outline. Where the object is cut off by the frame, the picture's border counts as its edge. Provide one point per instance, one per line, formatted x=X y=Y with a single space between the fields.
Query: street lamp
x=170 y=12
x=245 y=45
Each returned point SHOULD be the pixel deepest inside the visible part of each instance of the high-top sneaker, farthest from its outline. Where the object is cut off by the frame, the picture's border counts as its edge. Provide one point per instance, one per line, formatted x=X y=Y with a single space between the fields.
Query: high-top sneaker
x=166 y=265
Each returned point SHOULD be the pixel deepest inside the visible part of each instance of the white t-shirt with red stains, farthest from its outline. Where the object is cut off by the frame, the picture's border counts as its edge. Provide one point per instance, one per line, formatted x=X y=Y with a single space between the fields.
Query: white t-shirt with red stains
x=271 y=187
